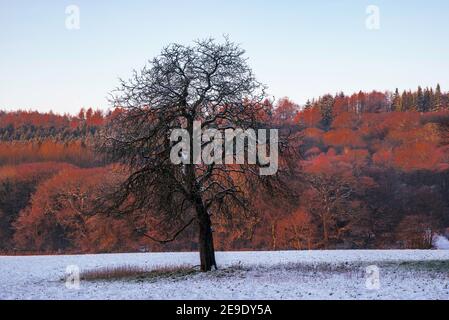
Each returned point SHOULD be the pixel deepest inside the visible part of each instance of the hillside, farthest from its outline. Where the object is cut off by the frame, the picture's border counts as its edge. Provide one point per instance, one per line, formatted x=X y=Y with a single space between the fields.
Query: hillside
x=374 y=174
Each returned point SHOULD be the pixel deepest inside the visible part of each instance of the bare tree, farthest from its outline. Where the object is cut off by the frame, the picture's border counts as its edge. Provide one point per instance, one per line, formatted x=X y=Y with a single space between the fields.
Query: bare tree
x=331 y=204
x=209 y=82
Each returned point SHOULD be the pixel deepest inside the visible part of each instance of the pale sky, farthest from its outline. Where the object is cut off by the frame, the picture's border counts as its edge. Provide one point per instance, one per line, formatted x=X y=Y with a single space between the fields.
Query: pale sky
x=299 y=49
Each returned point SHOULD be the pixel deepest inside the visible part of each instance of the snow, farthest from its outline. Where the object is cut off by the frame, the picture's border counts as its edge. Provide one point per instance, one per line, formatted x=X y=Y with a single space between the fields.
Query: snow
x=243 y=275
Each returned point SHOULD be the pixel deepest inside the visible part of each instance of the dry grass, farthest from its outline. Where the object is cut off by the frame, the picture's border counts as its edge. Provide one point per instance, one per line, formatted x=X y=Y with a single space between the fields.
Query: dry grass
x=434 y=266
x=136 y=273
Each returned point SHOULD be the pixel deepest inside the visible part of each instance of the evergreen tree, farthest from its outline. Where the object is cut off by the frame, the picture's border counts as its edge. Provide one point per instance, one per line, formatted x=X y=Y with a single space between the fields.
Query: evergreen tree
x=397 y=101
x=437 y=99
x=308 y=105
x=326 y=104
x=419 y=101
x=427 y=100
x=407 y=101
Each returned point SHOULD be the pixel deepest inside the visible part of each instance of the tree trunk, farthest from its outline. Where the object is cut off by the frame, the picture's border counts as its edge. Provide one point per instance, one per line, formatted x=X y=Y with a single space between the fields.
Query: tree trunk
x=205 y=241
x=273 y=236
x=325 y=232
x=298 y=242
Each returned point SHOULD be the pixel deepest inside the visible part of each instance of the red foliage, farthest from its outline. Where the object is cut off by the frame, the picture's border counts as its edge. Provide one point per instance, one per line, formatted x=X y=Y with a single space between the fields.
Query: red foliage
x=370 y=178
x=309 y=118
x=343 y=137
x=75 y=152
x=60 y=216
x=285 y=111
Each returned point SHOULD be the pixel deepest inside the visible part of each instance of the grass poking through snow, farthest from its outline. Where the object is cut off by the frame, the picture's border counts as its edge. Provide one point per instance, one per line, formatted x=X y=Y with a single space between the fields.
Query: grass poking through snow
x=436 y=266
x=137 y=273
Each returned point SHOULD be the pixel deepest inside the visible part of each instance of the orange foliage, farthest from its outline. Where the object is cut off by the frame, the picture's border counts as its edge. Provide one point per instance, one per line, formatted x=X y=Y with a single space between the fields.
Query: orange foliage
x=60 y=216
x=75 y=152
x=343 y=137
x=361 y=175
x=285 y=111
x=419 y=155
x=309 y=118
x=346 y=120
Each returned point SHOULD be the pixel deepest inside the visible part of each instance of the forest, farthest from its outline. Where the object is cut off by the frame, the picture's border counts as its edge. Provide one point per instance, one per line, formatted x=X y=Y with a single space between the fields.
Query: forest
x=373 y=173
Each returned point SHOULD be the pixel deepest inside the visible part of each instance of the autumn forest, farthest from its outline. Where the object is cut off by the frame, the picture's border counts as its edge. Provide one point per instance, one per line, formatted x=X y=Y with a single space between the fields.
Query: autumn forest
x=373 y=173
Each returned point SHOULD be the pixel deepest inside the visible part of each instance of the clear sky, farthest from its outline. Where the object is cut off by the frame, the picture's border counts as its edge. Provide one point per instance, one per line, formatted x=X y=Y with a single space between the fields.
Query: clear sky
x=299 y=49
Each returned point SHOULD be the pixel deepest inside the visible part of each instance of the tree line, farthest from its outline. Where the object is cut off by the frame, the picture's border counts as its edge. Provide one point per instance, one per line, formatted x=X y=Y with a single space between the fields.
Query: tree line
x=371 y=177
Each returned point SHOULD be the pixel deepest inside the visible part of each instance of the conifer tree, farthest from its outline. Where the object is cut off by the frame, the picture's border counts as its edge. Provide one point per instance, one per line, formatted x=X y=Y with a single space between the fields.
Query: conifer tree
x=427 y=100
x=397 y=101
x=326 y=104
x=437 y=99
x=308 y=105
x=419 y=101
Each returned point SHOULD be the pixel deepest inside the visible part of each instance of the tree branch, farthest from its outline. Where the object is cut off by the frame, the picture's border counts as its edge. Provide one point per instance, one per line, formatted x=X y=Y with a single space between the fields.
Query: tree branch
x=174 y=236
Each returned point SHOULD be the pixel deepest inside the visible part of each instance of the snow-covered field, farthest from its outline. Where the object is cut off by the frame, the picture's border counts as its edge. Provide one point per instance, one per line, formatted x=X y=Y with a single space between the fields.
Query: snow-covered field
x=242 y=275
